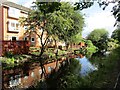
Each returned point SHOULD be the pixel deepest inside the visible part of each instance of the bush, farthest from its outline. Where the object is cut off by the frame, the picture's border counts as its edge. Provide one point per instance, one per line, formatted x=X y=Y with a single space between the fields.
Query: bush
x=9 y=54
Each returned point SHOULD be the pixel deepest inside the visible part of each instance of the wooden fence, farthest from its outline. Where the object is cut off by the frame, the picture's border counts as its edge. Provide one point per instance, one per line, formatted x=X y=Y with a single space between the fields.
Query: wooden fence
x=16 y=47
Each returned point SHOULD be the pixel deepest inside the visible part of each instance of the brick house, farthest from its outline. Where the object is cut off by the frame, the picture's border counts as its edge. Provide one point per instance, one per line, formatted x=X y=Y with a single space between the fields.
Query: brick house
x=10 y=28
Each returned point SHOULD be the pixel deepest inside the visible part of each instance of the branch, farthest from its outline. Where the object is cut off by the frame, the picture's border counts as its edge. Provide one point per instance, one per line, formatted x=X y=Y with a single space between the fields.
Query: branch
x=45 y=43
x=36 y=34
x=42 y=37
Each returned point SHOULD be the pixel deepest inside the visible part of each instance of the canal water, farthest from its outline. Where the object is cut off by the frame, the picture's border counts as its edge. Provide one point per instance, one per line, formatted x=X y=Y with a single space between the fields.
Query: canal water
x=86 y=66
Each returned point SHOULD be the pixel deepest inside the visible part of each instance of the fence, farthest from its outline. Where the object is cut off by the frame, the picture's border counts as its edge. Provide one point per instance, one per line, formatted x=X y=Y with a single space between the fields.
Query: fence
x=16 y=47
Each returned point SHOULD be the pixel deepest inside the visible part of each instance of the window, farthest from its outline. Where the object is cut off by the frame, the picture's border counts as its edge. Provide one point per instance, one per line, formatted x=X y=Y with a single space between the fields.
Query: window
x=13 y=12
x=13 y=38
x=13 y=26
x=32 y=39
x=25 y=38
x=17 y=26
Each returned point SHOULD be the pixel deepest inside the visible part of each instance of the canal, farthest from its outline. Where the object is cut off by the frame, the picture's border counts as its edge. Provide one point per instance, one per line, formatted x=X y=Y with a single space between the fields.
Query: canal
x=86 y=66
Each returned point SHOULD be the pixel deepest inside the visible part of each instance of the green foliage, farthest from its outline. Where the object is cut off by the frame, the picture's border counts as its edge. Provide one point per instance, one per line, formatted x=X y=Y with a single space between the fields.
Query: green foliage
x=99 y=38
x=87 y=50
x=57 y=19
x=106 y=66
x=112 y=44
x=83 y=4
x=116 y=34
x=8 y=62
x=76 y=38
x=90 y=49
x=65 y=23
x=69 y=77
x=47 y=7
x=9 y=54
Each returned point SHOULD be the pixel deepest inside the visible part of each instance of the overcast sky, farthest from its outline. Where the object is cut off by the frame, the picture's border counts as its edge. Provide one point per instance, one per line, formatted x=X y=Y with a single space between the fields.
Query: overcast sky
x=95 y=17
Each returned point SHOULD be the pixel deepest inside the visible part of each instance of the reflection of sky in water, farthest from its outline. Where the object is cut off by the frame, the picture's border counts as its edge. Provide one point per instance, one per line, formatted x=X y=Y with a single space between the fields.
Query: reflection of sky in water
x=86 y=66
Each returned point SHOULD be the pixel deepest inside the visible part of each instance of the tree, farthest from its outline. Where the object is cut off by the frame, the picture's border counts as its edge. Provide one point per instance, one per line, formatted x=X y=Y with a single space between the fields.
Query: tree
x=65 y=23
x=36 y=22
x=52 y=19
x=116 y=34
x=76 y=39
x=99 y=38
x=112 y=44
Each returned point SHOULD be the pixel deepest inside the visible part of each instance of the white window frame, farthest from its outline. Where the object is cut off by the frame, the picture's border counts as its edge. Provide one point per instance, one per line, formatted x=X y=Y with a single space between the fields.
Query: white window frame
x=31 y=39
x=14 y=29
x=13 y=12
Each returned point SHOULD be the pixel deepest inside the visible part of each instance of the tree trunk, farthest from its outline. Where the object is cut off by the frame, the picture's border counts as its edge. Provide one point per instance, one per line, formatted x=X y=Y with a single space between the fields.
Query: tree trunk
x=41 y=63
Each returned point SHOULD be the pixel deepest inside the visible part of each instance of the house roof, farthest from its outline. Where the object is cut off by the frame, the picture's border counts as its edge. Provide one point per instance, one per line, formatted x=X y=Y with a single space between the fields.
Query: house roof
x=14 y=5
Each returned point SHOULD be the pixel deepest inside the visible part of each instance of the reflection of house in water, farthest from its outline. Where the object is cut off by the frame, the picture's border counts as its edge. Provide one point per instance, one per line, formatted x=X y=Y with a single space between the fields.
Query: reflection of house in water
x=26 y=78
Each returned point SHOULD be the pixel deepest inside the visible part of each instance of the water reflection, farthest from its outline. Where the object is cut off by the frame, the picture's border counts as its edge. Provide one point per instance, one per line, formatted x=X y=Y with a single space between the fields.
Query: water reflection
x=86 y=66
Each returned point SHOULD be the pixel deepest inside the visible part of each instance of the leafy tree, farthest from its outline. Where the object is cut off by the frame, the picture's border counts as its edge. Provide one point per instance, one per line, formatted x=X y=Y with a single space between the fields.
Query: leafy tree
x=54 y=19
x=36 y=23
x=116 y=34
x=76 y=39
x=90 y=48
x=65 y=23
x=112 y=44
x=99 y=38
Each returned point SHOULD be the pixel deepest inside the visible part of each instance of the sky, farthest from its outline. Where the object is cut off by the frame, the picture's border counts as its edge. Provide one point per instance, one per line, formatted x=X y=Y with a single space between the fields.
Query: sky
x=95 y=17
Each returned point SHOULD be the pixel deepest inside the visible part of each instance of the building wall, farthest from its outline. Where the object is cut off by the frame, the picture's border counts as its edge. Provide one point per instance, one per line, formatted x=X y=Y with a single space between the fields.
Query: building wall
x=1 y=28
x=9 y=34
x=1 y=22
x=19 y=35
